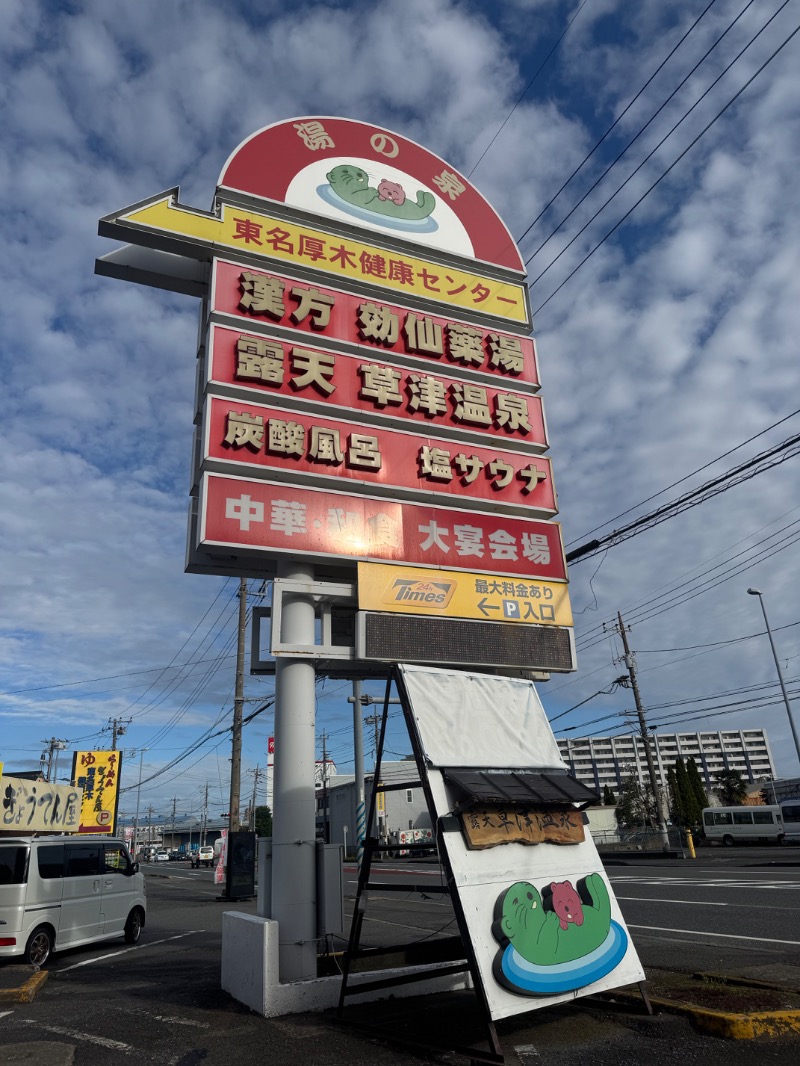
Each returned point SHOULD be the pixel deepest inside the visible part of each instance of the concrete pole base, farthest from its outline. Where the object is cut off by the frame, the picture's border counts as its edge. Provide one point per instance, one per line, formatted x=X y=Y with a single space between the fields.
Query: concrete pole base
x=250 y=974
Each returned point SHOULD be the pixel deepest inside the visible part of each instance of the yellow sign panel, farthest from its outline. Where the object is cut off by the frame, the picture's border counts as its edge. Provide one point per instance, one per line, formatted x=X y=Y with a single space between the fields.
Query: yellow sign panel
x=97 y=773
x=452 y=594
x=259 y=234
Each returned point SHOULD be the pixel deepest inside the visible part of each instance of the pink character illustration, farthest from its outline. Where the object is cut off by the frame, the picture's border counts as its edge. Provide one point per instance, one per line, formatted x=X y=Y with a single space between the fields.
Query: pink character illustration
x=566 y=903
x=390 y=190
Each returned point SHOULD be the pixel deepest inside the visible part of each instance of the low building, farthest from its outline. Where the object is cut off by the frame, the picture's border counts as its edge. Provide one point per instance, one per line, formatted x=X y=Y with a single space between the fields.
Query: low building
x=403 y=808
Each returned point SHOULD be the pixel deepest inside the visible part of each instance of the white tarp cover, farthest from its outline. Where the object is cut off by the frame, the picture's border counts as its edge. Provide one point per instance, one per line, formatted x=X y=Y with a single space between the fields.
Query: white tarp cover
x=536 y=915
x=466 y=719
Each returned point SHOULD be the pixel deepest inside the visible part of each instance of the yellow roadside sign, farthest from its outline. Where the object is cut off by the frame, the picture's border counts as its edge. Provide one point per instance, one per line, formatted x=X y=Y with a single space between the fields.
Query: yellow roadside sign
x=97 y=773
x=256 y=233
x=453 y=594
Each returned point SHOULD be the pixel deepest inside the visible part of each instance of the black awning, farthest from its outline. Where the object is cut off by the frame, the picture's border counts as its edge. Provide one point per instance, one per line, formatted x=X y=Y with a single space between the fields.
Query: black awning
x=549 y=788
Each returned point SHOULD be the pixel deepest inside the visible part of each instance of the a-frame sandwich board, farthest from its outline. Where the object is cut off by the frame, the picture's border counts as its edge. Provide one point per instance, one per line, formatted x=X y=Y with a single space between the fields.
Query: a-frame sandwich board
x=537 y=916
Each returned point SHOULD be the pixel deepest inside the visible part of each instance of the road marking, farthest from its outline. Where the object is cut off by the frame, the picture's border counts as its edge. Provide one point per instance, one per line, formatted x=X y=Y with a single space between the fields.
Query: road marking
x=724 y=936
x=103 y=1041
x=5 y=1013
x=404 y=925
x=681 y=902
x=631 y=879
x=528 y=1054
x=124 y=951
x=180 y=1021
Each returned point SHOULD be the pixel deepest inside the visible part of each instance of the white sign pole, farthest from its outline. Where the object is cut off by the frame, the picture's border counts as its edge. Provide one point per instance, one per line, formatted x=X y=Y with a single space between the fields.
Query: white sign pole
x=294 y=816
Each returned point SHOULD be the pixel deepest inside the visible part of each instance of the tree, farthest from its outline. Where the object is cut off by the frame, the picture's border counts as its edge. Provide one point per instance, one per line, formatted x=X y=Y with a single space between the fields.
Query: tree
x=263 y=822
x=676 y=807
x=697 y=787
x=730 y=788
x=609 y=799
x=692 y=812
x=635 y=806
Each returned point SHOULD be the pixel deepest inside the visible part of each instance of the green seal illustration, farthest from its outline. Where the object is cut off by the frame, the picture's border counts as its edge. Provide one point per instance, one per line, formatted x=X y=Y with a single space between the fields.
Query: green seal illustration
x=351 y=184
x=565 y=925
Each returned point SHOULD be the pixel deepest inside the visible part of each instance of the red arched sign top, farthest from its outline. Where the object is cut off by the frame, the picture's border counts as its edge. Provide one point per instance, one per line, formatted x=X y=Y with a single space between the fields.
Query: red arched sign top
x=368 y=176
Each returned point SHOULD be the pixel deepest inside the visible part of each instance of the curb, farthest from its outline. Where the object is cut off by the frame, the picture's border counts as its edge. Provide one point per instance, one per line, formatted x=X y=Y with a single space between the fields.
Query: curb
x=26 y=992
x=720 y=1023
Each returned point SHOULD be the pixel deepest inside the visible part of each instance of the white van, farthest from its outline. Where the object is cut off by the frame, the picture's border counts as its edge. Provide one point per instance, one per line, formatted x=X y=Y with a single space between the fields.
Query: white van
x=60 y=892
x=790 y=809
x=736 y=825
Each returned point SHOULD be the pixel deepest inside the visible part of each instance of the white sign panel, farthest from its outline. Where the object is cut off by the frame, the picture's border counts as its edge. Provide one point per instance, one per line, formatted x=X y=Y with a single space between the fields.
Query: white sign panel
x=542 y=918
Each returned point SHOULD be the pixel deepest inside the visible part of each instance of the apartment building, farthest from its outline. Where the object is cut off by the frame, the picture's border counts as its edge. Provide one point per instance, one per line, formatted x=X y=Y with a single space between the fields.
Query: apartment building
x=601 y=761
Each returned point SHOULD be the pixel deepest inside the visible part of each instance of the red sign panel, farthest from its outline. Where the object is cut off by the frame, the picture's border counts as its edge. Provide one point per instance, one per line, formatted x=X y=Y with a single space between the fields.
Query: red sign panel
x=241 y=513
x=361 y=384
x=277 y=300
x=273 y=439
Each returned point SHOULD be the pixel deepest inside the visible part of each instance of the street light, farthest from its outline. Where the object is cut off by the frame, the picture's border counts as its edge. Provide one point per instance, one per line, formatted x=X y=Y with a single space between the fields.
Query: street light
x=138 y=796
x=757 y=592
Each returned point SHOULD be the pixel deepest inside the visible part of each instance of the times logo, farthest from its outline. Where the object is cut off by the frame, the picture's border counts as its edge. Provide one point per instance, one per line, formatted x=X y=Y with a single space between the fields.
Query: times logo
x=424 y=593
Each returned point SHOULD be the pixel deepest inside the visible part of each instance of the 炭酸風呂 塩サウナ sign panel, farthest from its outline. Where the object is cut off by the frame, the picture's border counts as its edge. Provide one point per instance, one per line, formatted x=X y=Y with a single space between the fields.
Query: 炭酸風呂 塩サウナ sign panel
x=290 y=444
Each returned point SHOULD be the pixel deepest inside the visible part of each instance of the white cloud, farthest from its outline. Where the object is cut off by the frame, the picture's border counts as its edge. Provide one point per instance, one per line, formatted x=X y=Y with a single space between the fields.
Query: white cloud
x=675 y=341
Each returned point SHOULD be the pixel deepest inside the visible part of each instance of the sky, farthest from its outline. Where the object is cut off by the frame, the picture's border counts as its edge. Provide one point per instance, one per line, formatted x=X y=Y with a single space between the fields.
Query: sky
x=666 y=322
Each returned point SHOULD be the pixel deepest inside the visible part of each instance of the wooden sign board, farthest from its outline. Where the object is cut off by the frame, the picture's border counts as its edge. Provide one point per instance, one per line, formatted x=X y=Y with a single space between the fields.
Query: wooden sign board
x=490 y=825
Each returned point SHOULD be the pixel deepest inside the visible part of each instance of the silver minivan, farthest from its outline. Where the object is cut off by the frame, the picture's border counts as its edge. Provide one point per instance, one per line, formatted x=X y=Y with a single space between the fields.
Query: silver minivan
x=60 y=892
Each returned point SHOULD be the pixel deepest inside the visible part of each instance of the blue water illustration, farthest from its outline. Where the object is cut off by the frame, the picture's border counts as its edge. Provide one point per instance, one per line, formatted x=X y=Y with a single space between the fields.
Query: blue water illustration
x=527 y=978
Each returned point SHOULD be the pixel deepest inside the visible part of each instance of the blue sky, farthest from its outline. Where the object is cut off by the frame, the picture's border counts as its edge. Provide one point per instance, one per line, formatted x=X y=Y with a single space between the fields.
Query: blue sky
x=675 y=342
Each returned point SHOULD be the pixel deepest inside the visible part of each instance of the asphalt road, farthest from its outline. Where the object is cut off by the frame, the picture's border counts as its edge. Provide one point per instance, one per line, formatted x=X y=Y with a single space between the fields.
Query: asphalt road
x=160 y=1002
x=736 y=911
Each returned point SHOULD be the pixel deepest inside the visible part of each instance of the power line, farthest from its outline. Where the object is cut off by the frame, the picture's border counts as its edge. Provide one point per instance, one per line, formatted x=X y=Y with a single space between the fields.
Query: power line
x=524 y=92
x=175 y=656
x=640 y=614
x=600 y=628
x=616 y=121
x=635 y=138
x=669 y=169
x=686 y=477
x=695 y=496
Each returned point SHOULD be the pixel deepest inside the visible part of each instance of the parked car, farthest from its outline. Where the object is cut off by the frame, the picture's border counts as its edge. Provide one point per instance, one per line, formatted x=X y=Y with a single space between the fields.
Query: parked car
x=57 y=893
x=162 y=856
x=203 y=856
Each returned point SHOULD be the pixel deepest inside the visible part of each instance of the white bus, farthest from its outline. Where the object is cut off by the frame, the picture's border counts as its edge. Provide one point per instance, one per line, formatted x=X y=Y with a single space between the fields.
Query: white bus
x=790 y=810
x=738 y=825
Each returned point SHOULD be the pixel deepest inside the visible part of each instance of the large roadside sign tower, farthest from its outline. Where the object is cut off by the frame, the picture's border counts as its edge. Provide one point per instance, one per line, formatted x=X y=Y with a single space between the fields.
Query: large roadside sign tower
x=369 y=426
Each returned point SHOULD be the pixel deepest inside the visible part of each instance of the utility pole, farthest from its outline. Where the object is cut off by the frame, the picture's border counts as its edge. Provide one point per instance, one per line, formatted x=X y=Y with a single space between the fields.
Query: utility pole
x=149 y=826
x=358 y=769
x=326 y=839
x=630 y=663
x=117 y=726
x=256 y=778
x=204 y=824
x=53 y=746
x=375 y=721
x=138 y=797
x=238 y=701
x=172 y=829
